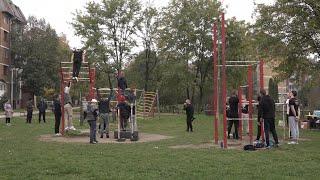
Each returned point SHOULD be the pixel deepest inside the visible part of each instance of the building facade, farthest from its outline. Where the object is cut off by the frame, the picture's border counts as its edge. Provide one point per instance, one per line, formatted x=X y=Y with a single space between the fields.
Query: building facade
x=9 y=14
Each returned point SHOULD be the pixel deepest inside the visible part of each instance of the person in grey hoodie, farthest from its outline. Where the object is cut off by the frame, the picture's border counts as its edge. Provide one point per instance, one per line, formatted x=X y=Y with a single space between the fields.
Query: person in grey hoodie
x=92 y=114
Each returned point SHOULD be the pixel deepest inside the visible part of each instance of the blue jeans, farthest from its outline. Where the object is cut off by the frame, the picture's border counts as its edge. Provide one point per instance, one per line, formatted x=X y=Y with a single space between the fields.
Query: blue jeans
x=104 y=123
x=93 y=128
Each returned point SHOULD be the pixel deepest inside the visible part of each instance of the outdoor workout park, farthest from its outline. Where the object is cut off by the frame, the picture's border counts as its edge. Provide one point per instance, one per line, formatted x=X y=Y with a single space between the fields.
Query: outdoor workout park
x=231 y=111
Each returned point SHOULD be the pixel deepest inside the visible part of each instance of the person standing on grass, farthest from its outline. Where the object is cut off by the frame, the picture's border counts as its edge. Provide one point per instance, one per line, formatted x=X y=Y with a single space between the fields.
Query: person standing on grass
x=29 y=110
x=57 y=114
x=287 y=115
x=188 y=107
x=8 y=112
x=234 y=114
x=42 y=107
x=104 y=109
x=294 y=117
x=267 y=111
x=92 y=114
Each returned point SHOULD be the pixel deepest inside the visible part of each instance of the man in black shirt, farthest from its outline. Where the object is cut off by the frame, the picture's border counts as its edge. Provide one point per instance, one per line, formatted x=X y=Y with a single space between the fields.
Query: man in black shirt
x=233 y=115
x=189 y=111
x=294 y=117
x=57 y=114
x=267 y=112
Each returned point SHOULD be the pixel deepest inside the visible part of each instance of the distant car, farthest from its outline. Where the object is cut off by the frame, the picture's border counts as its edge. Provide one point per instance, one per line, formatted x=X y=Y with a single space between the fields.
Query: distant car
x=316 y=114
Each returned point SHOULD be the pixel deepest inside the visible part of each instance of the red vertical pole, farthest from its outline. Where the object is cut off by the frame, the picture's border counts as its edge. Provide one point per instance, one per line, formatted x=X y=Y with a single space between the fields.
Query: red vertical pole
x=215 y=83
x=224 y=79
x=250 y=93
x=62 y=101
x=261 y=76
x=240 y=112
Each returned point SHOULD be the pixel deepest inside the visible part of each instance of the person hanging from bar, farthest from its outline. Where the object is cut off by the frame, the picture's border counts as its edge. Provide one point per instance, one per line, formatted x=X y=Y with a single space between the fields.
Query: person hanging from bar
x=122 y=82
x=77 y=58
x=233 y=117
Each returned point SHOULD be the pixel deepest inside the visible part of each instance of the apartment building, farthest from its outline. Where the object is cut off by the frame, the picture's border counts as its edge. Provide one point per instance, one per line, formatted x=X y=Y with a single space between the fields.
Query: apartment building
x=9 y=14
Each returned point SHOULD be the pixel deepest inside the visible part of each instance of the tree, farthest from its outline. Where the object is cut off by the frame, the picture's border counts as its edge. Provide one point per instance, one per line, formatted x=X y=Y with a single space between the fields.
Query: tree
x=273 y=90
x=35 y=50
x=108 y=29
x=148 y=34
x=289 y=32
x=186 y=33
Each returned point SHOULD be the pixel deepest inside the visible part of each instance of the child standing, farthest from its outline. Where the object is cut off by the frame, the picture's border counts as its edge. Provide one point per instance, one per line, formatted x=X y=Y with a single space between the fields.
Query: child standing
x=92 y=114
x=8 y=112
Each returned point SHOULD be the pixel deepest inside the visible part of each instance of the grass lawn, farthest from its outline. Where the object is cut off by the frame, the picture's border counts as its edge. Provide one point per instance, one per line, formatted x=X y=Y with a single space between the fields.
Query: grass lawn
x=23 y=156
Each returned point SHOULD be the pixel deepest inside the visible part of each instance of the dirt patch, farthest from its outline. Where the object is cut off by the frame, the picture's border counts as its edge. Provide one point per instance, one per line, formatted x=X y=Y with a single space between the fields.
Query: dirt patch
x=193 y=146
x=143 y=137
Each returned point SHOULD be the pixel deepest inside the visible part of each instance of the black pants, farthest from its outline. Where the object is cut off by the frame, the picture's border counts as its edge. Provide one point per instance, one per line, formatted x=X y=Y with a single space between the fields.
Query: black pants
x=259 y=132
x=123 y=123
x=43 y=114
x=29 y=116
x=57 y=117
x=236 y=126
x=189 y=124
x=8 y=120
x=269 y=126
x=76 y=68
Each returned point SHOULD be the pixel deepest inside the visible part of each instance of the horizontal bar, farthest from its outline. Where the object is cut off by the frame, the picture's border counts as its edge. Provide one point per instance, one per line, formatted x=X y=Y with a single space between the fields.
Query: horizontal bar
x=242 y=61
x=234 y=65
x=72 y=62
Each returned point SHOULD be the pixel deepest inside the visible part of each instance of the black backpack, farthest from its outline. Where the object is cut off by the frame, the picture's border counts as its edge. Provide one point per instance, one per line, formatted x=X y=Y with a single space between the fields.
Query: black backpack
x=249 y=147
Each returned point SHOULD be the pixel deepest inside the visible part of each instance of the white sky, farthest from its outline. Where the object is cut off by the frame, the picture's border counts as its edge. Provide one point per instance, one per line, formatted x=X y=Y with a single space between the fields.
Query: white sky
x=58 y=13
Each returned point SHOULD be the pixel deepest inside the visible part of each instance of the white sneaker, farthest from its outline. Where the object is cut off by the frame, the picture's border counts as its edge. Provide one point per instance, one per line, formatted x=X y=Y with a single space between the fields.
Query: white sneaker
x=58 y=134
x=72 y=128
x=292 y=142
x=66 y=129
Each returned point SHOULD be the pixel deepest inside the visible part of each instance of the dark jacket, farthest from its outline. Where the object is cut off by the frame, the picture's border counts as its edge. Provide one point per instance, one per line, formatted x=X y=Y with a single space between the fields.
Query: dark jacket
x=57 y=107
x=122 y=83
x=104 y=106
x=92 y=113
x=125 y=110
x=29 y=106
x=267 y=107
x=42 y=106
x=77 y=56
x=233 y=103
x=189 y=111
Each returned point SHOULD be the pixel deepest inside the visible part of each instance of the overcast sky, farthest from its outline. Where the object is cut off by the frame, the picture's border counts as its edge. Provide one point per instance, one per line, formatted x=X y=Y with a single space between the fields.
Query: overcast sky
x=58 y=13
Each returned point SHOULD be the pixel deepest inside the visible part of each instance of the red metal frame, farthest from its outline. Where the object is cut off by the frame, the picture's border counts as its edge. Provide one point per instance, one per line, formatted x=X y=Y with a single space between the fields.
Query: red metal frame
x=215 y=83
x=240 y=112
x=261 y=76
x=92 y=74
x=224 y=79
x=250 y=98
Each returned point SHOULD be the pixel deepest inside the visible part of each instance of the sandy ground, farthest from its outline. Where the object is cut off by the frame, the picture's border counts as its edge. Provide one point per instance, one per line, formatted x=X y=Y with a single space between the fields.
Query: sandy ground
x=143 y=137
x=232 y=144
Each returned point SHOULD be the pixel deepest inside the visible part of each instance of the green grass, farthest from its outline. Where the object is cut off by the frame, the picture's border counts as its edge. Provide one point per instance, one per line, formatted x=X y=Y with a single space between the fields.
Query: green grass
x=23 y=156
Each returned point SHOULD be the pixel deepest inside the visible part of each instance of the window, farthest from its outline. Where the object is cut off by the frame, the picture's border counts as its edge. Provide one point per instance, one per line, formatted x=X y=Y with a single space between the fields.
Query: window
x=6 y=19
x=6 y=54
x=5 y=70
x=6 y=36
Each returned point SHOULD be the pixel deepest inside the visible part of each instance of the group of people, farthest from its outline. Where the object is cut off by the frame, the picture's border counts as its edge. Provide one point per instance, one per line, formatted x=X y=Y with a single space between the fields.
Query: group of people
x=266 y=116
